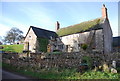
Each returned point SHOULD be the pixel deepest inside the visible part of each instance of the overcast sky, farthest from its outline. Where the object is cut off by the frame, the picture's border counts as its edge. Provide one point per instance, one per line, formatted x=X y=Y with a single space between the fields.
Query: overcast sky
x=44 y=14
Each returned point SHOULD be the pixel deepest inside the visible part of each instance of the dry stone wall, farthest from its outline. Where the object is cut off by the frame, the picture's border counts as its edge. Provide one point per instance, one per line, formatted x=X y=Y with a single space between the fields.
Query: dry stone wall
x=63 y=60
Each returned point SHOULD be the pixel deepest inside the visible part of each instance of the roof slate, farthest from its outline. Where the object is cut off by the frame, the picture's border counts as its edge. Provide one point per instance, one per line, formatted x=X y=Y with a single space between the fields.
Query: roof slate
x=82 y=27
x=43 y=33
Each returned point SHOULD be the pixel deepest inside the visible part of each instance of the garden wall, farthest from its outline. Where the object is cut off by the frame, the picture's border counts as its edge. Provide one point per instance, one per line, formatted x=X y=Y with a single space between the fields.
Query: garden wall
x=61 y=60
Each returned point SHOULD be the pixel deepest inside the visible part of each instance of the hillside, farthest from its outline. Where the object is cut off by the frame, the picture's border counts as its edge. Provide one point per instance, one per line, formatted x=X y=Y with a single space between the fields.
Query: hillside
x=12 y=48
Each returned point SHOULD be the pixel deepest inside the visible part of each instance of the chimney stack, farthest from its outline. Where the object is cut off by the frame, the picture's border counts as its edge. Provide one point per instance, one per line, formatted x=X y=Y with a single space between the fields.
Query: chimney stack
x=57 y=26
x=104 y=12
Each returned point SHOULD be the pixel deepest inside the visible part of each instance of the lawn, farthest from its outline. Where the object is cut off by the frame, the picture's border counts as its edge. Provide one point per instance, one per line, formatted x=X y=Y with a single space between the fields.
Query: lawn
x=12 y=48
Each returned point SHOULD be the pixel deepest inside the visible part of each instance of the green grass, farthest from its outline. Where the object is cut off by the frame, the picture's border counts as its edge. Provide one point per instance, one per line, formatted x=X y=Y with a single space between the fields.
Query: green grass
x=12 y=48
x=84 y=26
x=62 y=73
x=55 y=52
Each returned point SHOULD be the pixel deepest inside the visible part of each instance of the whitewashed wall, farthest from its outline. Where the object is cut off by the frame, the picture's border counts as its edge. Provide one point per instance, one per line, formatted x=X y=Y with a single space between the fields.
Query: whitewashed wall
x=73 y=40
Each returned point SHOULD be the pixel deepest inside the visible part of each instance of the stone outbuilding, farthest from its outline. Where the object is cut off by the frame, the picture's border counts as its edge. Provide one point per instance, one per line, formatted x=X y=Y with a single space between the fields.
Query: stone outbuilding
x=37 y=39
x=116 y=44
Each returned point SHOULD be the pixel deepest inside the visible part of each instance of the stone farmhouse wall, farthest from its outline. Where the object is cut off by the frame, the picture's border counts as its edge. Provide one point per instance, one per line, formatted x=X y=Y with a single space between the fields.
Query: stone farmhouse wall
x=99 y=41
x=108 y=38
x=31 y=38
x=73 y=42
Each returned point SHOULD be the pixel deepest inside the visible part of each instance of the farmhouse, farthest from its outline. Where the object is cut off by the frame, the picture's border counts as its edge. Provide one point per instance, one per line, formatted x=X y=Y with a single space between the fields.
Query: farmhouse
x=96 y=34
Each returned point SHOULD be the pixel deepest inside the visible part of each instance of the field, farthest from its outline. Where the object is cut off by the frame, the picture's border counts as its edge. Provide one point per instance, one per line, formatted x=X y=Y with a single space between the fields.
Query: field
x=12 y=48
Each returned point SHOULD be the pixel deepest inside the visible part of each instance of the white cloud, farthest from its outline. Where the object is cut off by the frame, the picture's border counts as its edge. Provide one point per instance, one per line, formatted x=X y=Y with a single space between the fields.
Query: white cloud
x=4 y=29
x=13 y=23
x=37 y=18
x=40 y=17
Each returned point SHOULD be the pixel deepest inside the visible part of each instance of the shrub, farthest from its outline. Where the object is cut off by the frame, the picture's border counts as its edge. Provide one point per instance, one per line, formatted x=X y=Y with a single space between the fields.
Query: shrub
x=88 y=60
x=43 y=42
x=56 y=50
x=55 y=53
x=99 y=75
x=118 y=69
x=84 y=46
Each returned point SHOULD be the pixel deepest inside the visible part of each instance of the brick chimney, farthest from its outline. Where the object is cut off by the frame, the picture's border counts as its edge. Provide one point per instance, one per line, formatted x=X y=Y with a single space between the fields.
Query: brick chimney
x=57 y=26
x=104 y=12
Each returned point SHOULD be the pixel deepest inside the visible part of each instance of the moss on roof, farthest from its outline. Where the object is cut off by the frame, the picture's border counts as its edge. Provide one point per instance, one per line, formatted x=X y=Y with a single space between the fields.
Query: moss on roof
x=82 y=27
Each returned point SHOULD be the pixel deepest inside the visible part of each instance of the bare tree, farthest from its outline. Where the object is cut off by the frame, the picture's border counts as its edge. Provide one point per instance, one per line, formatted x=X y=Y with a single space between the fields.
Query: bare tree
x=13 y=35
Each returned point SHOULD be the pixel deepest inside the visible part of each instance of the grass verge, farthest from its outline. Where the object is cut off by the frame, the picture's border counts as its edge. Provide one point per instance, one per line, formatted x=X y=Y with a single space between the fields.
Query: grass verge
x=61 y=73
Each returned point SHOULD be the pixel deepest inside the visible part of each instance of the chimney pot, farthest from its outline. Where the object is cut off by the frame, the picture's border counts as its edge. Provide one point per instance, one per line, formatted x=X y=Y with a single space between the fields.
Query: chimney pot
x=57 y=26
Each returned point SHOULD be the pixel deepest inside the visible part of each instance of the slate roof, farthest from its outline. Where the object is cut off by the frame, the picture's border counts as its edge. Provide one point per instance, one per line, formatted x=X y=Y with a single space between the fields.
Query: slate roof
x=116 y=41
x=43 y=33
x=81 y=27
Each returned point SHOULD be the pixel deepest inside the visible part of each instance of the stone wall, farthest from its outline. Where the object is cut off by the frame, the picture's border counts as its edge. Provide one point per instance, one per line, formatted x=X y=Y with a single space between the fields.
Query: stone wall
x=32 y=39
x=73 y=42
x=108 y=38
x=99 y=44
x=63 y=60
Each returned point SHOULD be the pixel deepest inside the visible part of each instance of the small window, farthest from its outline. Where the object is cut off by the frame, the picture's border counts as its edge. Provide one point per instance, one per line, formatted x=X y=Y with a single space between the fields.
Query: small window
x=79 y=45
x=67 y=46
x=60 y=46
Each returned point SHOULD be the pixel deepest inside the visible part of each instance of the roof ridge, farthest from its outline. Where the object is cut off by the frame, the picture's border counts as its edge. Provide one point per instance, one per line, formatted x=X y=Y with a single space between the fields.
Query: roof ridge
x=42 y=29
x=82 y=22
x=39 y=32
x=81 y=27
